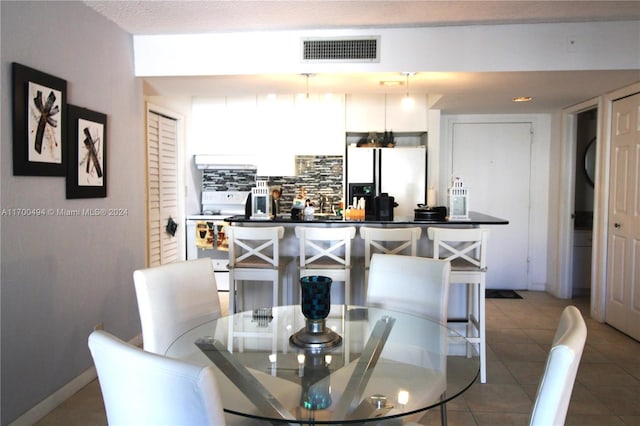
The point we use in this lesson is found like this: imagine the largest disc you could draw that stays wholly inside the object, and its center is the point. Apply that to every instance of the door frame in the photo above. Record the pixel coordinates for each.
(601, 199)
(564, 275)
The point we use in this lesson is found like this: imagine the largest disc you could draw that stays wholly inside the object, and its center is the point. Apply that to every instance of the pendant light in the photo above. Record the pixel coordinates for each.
(407, 101)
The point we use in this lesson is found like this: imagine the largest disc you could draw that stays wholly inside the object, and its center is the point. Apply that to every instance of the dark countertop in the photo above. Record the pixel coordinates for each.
(475, 218)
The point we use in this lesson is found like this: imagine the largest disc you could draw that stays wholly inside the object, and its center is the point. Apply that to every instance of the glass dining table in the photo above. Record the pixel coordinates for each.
(387, 365)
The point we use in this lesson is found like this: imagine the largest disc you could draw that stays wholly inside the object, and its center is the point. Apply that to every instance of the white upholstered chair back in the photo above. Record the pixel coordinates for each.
(411, 284)
(174, 298)
(143, 388)
(556, 385)
(417, 286)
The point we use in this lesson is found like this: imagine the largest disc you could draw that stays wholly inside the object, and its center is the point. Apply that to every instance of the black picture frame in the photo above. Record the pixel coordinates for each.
(39, 122)
(87, 149)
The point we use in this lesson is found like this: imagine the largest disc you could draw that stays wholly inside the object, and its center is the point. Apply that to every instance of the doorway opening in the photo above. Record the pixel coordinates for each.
(586, 143)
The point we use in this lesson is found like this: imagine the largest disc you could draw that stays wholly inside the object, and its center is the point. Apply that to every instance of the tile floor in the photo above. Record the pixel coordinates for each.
(519, 332)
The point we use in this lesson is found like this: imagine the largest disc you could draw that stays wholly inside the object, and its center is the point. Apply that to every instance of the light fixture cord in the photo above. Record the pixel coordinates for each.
(407, 77)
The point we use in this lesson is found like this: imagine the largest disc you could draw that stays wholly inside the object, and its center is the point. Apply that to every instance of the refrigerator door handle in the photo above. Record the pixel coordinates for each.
(377, 170)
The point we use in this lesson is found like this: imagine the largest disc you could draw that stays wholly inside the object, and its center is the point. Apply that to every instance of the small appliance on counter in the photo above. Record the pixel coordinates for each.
(383, 206)
(366, 191)
(425, 213)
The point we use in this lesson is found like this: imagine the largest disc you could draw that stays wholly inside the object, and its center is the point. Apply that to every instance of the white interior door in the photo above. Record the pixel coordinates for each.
(494, 161)
(623, 251)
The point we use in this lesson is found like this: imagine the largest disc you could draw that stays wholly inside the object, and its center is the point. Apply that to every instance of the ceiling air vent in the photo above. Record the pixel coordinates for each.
(349, 49)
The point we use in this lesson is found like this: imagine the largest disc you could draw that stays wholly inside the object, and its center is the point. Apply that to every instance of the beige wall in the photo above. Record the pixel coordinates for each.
(62, 275)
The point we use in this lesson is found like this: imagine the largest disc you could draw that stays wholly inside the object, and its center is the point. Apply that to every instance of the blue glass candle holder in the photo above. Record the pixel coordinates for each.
(316, 297)
(316, 304)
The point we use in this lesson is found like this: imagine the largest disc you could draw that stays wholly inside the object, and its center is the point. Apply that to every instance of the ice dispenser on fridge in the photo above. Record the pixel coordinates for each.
(366, 191)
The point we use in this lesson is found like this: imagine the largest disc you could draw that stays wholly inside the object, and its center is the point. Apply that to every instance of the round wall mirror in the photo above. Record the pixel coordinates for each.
(590, 161)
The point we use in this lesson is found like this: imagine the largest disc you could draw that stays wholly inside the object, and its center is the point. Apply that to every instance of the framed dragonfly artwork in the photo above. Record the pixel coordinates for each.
(87, 170)
(39, 122)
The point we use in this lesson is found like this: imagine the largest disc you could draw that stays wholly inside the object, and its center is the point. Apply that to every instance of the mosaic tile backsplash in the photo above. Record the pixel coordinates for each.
(320, 175)
(228, 179)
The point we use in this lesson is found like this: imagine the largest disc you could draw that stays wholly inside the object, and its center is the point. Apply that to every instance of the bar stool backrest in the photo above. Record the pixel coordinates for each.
(464, 248)
(325, 247)
(254, 247)
(403, 241)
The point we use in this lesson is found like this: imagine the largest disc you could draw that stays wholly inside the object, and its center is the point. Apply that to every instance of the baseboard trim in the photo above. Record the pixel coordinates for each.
(55, 399)
(61, 395)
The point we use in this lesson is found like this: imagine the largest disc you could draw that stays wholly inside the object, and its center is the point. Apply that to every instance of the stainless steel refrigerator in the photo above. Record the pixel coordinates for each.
(401, 172)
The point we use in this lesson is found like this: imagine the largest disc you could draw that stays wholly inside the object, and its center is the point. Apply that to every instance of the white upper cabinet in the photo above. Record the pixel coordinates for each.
(287, 125)
(240, 114)
(365, 113)
(379, 112)
(275, 138)
(319, 125)
(401, 119)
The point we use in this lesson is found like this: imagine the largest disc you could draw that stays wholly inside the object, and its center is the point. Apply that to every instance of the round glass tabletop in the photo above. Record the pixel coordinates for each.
(387, 365)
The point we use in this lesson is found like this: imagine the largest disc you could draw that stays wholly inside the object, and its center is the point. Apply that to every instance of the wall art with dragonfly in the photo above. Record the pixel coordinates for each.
(39, 122)
(87, 171)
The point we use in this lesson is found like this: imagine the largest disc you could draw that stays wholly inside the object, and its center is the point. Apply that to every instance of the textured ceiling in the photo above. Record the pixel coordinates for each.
(181, 17)
(461, 92)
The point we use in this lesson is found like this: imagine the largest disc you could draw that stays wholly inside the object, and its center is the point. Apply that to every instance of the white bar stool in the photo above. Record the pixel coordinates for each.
(401, 241)
(254, 255)
(327, 252)
(466, 249)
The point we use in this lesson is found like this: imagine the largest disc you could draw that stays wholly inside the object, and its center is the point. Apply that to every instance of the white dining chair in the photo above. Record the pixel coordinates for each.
(326, 252)
(410, 284)
(417, 286)
(388, 241)
(466, 249)
(556, 385)
(174, 298)
(143, 388)
(254, 255)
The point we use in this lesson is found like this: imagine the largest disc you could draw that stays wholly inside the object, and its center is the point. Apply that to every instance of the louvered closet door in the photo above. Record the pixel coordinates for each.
(162, 188)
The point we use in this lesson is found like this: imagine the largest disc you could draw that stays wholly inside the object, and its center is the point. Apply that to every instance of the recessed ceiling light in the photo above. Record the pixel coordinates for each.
(522, 99)
(391, 83)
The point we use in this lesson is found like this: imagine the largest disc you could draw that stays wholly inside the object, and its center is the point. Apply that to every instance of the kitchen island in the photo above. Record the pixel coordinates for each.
(289, 246)
(475, 219)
